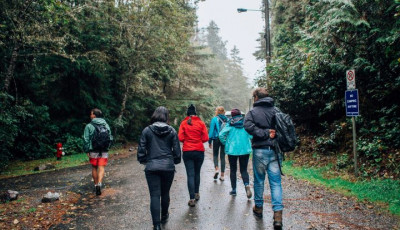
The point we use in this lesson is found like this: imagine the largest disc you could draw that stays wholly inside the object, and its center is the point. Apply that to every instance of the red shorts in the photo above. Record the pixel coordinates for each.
(98, 161)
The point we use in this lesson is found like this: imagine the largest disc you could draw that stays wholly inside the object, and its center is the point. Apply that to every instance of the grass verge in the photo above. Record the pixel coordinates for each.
(19, 168)
(385, 191)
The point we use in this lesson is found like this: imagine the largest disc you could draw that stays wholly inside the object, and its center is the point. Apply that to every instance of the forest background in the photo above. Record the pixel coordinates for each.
(61, 58)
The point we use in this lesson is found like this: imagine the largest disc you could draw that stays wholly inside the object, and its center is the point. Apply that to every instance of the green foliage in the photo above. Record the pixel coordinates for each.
(60, 59)
(9, 127)
(343, 161)
(73, 145)
(314, 43)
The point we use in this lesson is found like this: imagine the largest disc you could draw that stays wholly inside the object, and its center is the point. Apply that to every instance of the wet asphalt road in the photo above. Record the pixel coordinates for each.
(124, 203)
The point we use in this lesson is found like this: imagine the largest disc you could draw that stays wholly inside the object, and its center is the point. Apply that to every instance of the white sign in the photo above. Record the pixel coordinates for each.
(351, 79)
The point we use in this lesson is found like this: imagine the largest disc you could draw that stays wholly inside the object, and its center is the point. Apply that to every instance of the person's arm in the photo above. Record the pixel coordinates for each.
(252, 129)
(181, 133)
(176, 149)
(142, 151)
(86, 138)
(204, 137)
(211, 130)
(224, 134)
(109, 130)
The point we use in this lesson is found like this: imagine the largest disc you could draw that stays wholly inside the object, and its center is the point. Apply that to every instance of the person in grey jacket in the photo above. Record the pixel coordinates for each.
(159, 150)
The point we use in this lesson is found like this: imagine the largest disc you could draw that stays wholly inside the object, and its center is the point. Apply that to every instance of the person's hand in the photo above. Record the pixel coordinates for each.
(272, 133)
(209, 145)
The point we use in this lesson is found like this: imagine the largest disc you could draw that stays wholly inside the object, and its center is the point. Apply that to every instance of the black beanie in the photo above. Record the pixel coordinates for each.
(191, 110)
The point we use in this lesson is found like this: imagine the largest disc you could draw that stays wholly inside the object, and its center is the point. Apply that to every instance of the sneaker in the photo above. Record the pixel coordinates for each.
(222, 178)
(197, 196)
(192, 203)
(258, 211)
(216, 175)
(232, 193)
(164, 218)
(248, 191)
(98, 190)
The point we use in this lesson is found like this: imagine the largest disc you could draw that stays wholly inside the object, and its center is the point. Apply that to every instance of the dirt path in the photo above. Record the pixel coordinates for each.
(125, 202)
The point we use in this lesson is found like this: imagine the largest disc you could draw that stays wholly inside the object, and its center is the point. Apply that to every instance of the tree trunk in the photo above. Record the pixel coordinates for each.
(123, 103)
(11, 67)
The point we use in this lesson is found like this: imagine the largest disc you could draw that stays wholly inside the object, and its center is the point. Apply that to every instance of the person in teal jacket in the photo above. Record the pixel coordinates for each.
(238, 147)
(214, 143)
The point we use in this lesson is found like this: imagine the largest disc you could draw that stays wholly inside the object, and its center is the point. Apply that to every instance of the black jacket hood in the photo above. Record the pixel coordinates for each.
(160, 128)
(266, 101)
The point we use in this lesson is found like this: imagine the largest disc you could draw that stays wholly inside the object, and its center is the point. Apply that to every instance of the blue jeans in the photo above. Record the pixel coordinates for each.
(265, 161)
(193, 161)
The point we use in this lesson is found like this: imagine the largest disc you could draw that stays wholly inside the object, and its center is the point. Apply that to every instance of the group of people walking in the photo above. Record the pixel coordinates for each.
(239, 137)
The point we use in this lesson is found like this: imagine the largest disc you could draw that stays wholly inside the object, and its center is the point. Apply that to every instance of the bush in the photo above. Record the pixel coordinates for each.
(73, 145)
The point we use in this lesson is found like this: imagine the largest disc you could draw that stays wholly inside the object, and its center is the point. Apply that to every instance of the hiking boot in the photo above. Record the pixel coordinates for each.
(192, 203)
(258, 211)
(157, 227)
(98, 190)
(232, 193)
(278, 219)
(197, 196)
(164, 218)
(216, 175)
(248, 191)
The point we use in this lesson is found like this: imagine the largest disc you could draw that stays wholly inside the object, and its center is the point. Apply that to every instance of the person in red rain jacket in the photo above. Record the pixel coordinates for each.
(193, 133)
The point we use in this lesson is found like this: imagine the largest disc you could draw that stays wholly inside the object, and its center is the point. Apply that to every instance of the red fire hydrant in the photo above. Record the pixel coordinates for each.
(59, 151)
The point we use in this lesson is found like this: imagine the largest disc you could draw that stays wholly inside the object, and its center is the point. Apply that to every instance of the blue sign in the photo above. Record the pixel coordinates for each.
(351, 97)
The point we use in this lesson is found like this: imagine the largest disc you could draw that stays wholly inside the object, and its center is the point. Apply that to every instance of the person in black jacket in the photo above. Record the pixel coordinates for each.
(260, 123)
(159, 150)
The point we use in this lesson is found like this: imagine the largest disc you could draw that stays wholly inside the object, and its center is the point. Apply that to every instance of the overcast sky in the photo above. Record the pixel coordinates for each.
(240, 29)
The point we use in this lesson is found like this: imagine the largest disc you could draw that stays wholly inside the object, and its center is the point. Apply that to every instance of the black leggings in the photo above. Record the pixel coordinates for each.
(243, 162)
(159, 183)
(193, 162)
(219, 149)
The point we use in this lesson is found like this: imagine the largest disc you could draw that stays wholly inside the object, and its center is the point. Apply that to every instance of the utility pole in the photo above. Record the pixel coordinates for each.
(267, 35)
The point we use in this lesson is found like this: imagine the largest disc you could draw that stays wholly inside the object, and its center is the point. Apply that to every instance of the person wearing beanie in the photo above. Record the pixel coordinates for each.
(193, 133)
(214, 143)
(191, 110)
(238, 147)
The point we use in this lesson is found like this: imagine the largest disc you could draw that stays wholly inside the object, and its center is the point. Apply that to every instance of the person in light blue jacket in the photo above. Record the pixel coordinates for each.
(238, 147)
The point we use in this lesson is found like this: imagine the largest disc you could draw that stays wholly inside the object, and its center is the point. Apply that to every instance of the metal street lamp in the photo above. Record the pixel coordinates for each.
(241, 10)
(267, 35)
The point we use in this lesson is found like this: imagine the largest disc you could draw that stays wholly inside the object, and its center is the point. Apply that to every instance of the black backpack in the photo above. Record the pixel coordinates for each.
(285, 131)
(101, 140)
